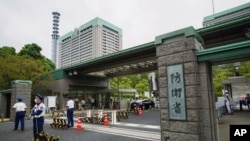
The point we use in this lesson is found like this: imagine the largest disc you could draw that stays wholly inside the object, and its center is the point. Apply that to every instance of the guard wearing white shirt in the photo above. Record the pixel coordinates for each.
(20, 113)
(38, 113)
(70, 111)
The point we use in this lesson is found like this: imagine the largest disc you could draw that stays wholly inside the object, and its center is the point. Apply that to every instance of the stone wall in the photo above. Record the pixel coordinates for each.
(198, 96)
(21, 88)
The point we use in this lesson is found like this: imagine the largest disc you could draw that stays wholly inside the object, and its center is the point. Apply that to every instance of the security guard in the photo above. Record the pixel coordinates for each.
(20, 113)
(38, 113)
(70, 111)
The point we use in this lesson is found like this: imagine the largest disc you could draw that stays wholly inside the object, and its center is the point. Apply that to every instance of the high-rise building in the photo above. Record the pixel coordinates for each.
(55, 36)
(92, 39)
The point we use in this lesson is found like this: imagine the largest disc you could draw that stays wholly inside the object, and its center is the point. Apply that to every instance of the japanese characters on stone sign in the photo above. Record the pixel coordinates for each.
(176, 92)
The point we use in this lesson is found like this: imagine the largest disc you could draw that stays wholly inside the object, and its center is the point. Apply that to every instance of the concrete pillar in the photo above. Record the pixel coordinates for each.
(207, 104)
(199, 122)
(21, 88)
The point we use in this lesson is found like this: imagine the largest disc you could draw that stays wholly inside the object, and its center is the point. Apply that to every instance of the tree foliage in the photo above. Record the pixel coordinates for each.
(244, 69)
(31, 50)
(28, 64)
(137, 81)
(219, 75)
(230, 70)
(7, 51)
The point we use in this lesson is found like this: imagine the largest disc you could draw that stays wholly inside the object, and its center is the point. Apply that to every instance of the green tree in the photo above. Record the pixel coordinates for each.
(219, 75)
(34, 51)
(31, 50)
(22, 68)
(244, 69)
(50, 66)
(28, 64)
(6, 51)
(120, 82)
(137, 81)
(142, 86)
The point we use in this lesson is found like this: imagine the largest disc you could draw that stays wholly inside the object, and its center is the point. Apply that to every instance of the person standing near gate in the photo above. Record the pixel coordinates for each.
(83, 104)
(92, 100)
(248, 101)
(38, 115)
(227, 102)
(70, 111)
(20, 108)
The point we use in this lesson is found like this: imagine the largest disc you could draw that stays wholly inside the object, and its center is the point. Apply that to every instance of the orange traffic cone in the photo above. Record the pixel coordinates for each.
(140, 112)
(79, 124)
(106, 121)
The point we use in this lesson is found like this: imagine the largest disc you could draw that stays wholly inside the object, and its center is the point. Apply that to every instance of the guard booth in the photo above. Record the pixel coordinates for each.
(5, 98)
(9, 97)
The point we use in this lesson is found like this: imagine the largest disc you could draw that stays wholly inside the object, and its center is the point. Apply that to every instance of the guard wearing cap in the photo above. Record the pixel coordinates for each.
(38, 113)
(70, 111)
(20, 108)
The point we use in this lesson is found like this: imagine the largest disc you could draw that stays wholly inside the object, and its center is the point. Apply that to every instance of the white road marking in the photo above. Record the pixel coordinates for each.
(132, 133)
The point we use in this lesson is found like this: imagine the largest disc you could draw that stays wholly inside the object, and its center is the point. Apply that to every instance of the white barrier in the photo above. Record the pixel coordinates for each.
(113, 117)
(88, 113)
(100, 113)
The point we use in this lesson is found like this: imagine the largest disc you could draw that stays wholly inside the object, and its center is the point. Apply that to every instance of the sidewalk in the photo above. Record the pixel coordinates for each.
(239, 117)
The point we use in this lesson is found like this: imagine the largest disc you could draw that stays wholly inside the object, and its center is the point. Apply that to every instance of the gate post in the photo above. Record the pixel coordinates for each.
(185, 87)
(20, 88)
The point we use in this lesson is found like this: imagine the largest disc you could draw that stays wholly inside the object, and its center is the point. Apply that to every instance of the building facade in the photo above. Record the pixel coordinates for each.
(93, 39)
(238, 11)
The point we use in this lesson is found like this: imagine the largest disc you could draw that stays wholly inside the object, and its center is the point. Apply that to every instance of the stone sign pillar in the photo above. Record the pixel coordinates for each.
(21, 88)
(186, 98)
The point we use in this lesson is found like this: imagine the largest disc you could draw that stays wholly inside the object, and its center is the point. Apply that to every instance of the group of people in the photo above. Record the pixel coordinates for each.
(244, 100)
(37, 113)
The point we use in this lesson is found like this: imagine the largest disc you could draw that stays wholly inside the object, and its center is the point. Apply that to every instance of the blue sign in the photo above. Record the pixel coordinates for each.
(176, 92)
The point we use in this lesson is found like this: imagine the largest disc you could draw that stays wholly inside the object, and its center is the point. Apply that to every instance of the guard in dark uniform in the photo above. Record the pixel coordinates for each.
(38, 115)
(20, 108)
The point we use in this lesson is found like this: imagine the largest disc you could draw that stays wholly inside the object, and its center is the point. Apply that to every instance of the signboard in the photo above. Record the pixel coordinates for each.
(51, 101)
(176, 92)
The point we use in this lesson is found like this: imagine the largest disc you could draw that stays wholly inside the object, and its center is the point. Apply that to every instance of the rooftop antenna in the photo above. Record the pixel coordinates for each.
(213, 5)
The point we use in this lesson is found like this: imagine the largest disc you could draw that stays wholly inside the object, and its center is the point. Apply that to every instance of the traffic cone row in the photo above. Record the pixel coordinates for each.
(79, 124)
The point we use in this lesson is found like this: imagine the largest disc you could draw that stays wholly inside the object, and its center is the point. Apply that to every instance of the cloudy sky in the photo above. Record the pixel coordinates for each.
(30, 21)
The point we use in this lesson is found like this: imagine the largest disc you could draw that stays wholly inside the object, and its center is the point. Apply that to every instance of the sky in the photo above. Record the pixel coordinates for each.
(30, 21)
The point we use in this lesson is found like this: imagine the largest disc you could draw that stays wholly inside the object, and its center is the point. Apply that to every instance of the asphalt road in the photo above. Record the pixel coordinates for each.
(136, 128)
